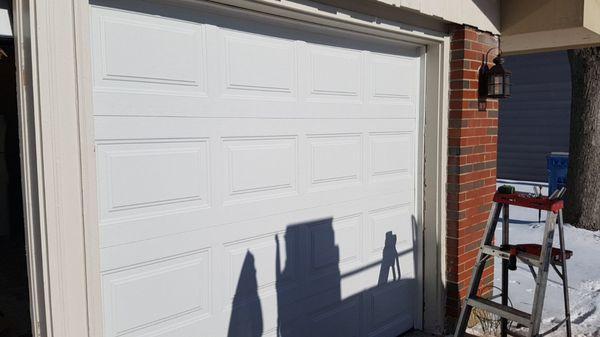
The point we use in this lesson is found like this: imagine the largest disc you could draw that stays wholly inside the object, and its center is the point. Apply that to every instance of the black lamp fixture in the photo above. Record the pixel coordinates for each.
(494, 82)
(498, 80)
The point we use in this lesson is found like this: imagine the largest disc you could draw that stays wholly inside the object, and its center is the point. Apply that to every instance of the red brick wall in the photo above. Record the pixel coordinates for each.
(472, 140)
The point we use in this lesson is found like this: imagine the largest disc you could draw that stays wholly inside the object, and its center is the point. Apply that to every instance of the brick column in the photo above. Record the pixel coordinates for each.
(472, 140)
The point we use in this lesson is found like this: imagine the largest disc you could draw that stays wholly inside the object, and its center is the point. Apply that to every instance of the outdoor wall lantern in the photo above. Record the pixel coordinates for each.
(494, 82)
(498, 80)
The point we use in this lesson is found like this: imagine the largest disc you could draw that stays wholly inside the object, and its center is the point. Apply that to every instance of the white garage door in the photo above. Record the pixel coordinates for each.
(256, 176)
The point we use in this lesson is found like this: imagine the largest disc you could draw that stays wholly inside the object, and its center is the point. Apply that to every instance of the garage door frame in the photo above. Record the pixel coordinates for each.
(60, 113)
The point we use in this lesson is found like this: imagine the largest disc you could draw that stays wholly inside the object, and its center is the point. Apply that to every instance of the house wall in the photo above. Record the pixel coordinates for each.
(535, 119)
(472, 140)
(483, 14)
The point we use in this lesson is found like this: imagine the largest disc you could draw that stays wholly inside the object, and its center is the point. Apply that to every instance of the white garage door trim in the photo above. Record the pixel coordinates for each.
(65, 276)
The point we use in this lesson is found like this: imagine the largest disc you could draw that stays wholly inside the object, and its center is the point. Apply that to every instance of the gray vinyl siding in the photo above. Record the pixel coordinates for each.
(535, 119)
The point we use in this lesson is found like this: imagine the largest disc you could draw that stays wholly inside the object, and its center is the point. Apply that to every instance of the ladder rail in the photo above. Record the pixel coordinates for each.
(542, 275)
(505, 242)
(490, 228)
(561, 239)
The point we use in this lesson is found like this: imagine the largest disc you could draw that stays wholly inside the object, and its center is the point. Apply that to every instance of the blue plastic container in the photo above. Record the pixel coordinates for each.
(558, 164)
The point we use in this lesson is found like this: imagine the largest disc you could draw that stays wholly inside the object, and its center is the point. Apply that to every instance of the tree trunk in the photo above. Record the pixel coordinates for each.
(582, 207)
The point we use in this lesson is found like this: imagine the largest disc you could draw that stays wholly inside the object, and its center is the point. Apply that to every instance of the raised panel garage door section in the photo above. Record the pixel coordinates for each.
(256, 176)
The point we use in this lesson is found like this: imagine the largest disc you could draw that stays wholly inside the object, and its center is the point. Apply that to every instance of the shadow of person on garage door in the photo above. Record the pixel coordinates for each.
(246, 314)
(310, 280)
(389, 260)
(309, 283)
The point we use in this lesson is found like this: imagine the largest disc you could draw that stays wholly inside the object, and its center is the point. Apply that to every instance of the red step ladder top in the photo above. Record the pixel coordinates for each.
(536, 250)
(526, 200)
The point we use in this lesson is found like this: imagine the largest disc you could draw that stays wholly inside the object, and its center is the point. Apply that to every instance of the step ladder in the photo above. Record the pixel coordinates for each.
(538, 257)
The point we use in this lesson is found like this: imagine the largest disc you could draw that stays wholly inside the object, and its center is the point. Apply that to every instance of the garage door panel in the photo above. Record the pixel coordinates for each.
(258, 168)
(136, 104)
(124, 231)
(301, 274)
(382, 166)
(341, 319)
(141, 177)
(170, 177)
(259, 74)
(252, 234)
(337, 248)
(142, 296)
(253, 174)
(245, 315)
(121, 128)
(391, 228)
(387, 304)
(334, 74)
(335, 160)
(241, 314)
(386, 85)
(181, 327)
(258, 67)
(261, 251)
(122, 103)
(128, 230)
(136, 252)
(125, 39)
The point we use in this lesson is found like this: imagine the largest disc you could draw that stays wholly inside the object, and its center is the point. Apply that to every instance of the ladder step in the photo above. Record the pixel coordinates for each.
(496, 251)
(509, 313)
(515, 334)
